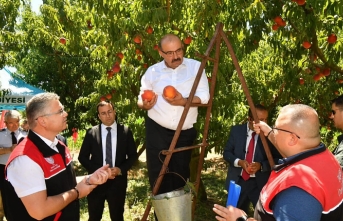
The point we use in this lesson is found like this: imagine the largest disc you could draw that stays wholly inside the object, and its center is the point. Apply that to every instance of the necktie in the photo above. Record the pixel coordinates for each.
(249, 155)
(14, 139)
(109, 147)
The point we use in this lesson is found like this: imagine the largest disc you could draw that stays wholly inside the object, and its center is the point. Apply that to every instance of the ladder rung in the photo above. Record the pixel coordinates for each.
(167, 152)
(200, 105)
(202, 56)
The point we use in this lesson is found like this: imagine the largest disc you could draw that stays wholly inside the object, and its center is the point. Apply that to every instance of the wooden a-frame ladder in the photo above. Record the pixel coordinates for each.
(215, 42)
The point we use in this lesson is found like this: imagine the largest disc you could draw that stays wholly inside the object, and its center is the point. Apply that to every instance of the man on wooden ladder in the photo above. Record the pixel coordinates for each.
(165, 109)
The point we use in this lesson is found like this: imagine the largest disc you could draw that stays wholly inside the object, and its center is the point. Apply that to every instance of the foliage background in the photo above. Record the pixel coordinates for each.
(96, 31)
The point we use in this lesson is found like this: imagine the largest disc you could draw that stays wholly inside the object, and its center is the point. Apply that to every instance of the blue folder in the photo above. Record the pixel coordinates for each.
(233, 194)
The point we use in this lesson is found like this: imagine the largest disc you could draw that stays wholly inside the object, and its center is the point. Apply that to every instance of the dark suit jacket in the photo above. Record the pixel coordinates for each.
(235, 148)
(338, 151)
(91, 157)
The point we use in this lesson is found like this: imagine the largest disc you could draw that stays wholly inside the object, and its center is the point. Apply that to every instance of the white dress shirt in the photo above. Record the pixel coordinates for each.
(22, 169)
(158, 76)
(6, 142)
(249, 136)
(104, 133)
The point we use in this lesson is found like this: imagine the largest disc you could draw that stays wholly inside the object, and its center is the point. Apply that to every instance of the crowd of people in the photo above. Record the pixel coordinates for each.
(39, 181)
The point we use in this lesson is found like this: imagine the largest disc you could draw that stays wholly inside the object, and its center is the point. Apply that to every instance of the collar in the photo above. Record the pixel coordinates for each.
(48, 142)
(113, 126)
(15, 132)
(165, 67)
(40, 142)
(285, 162)
(249, 131)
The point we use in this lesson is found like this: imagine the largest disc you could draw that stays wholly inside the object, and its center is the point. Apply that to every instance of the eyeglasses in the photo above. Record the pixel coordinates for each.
(275, 128)
(334, 111)
(171, 53)
(103, 114)
(60, 112)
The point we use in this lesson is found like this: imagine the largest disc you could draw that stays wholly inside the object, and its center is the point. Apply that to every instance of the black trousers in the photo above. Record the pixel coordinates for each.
(249, 193)
(114, 192)
(159, 138)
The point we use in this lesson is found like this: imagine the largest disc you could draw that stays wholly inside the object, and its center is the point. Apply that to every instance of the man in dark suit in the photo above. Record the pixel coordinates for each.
(251, 174)
(108, 143)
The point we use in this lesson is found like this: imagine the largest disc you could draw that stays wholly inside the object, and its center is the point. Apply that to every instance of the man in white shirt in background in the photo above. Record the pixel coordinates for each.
(9, 138)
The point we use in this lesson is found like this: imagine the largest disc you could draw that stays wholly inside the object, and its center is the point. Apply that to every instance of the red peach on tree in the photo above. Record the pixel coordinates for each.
(110, 74)
(326, 72)
(120, 55)
(63, 41)
(301, 81)
(306, 44)
(283, 23)
(187, 40)
(301, 2)
(116, 68)
(332, 38)
(275, 27)
(278, 20)
(317, 77)
(108, 96)
(137, 39)
(149, 30)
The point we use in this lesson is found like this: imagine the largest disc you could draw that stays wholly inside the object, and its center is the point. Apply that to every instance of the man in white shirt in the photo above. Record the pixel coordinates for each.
(9, 138)
(164, 113)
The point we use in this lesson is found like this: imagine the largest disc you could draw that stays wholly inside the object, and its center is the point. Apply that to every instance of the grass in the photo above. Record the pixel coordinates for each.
(213, 177)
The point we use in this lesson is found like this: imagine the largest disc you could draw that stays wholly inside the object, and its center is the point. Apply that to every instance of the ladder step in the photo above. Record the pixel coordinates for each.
(204, 57)
(200, 105)
(167, 152)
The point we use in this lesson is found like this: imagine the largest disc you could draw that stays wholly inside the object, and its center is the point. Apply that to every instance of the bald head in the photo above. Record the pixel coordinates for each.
(169, 38)
(302, 119)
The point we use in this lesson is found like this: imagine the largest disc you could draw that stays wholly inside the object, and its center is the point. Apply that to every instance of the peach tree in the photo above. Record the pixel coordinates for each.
(87, 51)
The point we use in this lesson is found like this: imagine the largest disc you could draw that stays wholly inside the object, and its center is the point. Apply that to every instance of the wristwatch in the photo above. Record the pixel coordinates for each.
(242, 218)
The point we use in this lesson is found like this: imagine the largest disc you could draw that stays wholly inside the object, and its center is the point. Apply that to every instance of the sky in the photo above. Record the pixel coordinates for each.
(35, 5)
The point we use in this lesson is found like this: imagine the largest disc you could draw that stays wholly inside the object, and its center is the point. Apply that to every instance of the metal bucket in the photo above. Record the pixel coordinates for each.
(173, 206)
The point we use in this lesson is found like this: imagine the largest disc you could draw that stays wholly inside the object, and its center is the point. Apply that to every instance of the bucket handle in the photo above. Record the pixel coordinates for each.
(189, 185)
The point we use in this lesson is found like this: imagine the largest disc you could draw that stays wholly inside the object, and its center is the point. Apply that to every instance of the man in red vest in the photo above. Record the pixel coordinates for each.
(308, 182)
(41, 182)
